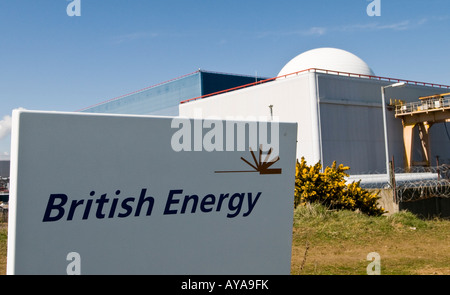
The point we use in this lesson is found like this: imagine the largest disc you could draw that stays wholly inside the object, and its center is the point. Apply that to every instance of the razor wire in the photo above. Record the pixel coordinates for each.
(420, 190)
(420, 183)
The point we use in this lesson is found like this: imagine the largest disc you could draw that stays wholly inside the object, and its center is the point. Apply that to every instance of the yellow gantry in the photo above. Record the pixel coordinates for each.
(424, 113)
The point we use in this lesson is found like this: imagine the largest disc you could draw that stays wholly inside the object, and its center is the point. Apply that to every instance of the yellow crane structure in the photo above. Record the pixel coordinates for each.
(424, 113)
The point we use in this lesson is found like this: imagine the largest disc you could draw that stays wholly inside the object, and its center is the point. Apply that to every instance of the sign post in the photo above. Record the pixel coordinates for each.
(113, 194)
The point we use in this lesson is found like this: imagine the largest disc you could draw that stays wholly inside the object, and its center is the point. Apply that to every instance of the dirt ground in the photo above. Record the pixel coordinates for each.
(409, 253)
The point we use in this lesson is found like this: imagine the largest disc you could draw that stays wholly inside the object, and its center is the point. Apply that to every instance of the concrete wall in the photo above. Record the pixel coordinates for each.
(386, 200)
(428, 208)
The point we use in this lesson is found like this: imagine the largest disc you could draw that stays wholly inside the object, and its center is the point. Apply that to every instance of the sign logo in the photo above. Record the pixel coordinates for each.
(260, 166)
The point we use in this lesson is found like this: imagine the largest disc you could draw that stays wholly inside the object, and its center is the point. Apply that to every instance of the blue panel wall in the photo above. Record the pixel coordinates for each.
(213, 82)
(164, 99)
(159, 100)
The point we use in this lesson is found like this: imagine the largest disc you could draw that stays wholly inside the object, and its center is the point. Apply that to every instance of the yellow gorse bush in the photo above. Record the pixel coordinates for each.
(330, 188)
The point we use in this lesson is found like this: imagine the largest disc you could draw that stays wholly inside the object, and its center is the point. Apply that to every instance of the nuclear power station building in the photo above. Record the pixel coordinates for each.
(335, 98)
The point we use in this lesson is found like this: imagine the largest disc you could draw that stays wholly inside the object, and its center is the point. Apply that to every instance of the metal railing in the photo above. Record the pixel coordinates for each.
(437, 104)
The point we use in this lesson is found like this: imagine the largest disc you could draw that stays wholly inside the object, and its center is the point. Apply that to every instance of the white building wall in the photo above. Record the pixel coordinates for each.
(339, 118)
(352, 124)
(291, 101)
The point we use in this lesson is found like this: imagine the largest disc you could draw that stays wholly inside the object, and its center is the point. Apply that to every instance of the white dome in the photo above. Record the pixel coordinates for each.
(327, 59)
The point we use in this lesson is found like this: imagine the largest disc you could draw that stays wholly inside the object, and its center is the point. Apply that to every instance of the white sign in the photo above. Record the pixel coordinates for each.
(108, 194)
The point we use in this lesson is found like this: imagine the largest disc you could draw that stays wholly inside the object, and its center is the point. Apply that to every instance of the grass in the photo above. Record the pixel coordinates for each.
(329, 242)
(3, 240)
(337, 242)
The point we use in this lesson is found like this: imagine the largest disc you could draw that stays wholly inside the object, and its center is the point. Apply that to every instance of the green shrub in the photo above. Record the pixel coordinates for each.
(330, 189)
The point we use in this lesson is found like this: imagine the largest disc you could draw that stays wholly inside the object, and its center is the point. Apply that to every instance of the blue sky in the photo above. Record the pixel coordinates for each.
(50, 61)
